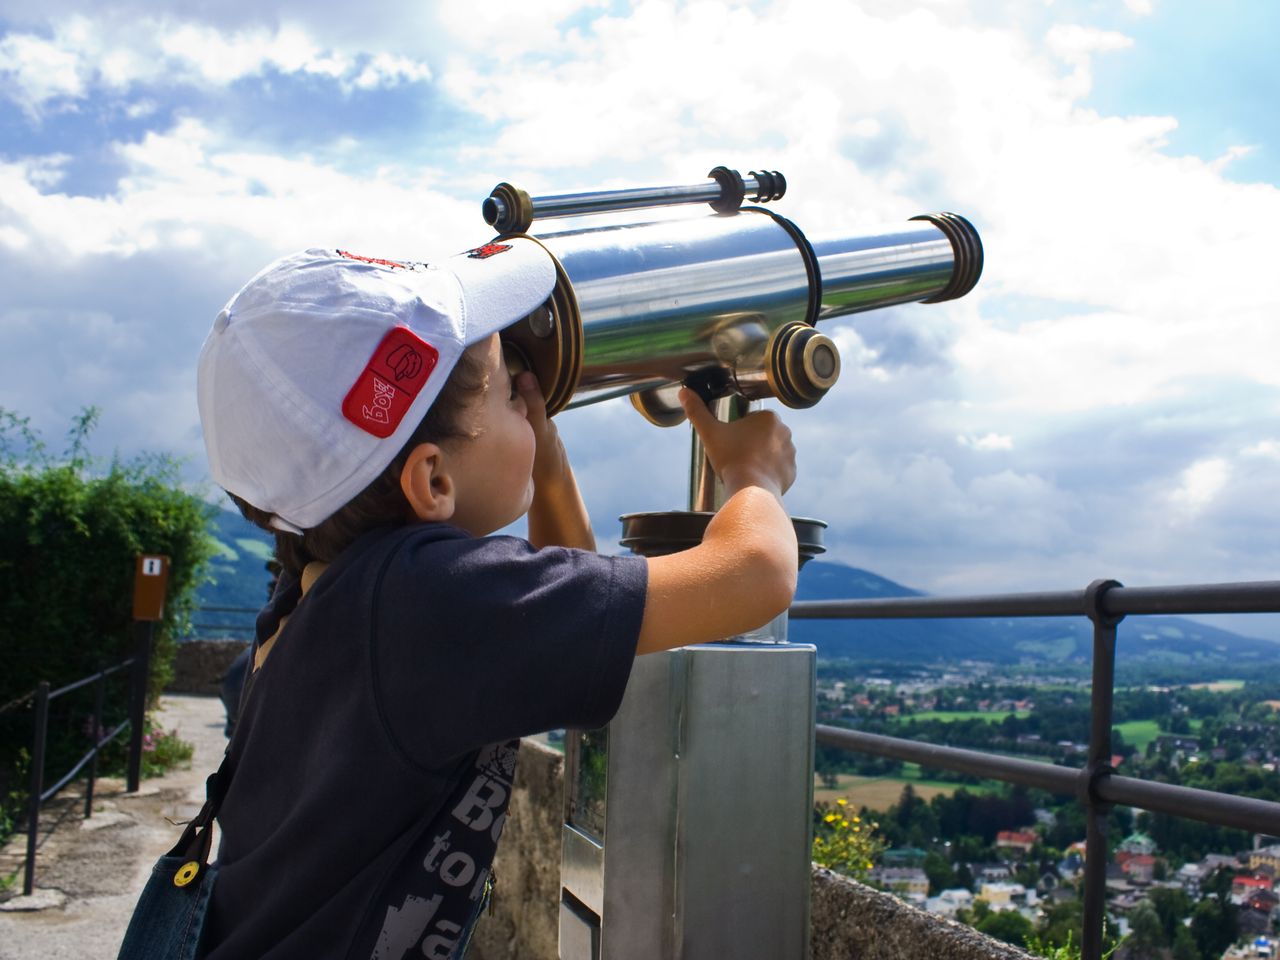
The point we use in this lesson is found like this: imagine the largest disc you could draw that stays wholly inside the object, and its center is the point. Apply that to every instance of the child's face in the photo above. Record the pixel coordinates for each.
(493, 469)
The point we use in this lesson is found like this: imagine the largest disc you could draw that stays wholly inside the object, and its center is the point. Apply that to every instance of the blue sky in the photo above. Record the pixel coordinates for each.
(1104, 404)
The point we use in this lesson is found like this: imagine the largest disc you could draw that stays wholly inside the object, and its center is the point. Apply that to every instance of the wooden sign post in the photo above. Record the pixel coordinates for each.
(150, 579)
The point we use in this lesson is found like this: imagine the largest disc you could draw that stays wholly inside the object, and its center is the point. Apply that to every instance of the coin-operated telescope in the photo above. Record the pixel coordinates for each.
(687, 826)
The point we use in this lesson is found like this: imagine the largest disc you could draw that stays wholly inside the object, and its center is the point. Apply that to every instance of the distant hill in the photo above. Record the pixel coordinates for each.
(1162, 641)
(238, 575)
(240, 578)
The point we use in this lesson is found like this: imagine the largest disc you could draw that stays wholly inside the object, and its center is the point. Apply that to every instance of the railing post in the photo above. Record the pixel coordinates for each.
(138, 703)
(95, 734)
(1102, 692)
(37, 783)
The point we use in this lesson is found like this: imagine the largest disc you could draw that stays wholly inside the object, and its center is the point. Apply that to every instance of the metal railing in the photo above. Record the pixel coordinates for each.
(241, 623)
(40, 699)
(1096, 786)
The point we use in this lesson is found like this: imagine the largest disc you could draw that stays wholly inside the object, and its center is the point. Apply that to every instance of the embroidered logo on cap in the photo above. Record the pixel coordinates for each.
(488, 250)
(383, 392)
(382, 263)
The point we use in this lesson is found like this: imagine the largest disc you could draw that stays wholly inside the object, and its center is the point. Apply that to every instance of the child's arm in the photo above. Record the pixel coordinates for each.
(743, 574)
(557, 516)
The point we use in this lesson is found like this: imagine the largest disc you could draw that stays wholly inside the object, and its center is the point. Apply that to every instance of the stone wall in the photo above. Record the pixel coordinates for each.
(849, 921)
(199, 665)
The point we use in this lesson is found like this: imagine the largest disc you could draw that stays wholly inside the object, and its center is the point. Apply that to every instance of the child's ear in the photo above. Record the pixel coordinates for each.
(427, 485)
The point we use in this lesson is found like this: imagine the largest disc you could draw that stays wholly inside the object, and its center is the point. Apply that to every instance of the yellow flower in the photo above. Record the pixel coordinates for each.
(828, 818)
(844, 823)
(843, 802)
(857, 819)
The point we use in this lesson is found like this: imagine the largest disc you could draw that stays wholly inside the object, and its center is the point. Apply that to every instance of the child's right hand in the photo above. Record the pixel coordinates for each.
(754, 451)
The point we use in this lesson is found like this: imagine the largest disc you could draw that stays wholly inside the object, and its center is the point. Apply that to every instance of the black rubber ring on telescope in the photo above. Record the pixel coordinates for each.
(732, 192)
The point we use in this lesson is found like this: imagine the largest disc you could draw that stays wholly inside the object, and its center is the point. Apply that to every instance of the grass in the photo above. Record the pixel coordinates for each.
(1142, 732)
(948, 716)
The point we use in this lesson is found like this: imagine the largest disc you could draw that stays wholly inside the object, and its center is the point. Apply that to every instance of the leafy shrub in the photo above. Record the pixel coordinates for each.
(70, 531)
(844, 842)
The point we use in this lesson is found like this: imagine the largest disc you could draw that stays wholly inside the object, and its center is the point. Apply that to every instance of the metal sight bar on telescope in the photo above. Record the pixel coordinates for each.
(511, 210)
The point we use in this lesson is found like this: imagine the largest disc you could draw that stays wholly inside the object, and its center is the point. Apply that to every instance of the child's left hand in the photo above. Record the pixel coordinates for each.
(550, 462)
(558, 515)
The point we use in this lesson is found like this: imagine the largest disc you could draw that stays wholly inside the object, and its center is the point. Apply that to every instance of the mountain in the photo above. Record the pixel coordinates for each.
(1162, 641)
(239, 578)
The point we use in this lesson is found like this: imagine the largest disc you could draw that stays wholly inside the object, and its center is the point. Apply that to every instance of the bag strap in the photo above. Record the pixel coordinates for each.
(196, 841)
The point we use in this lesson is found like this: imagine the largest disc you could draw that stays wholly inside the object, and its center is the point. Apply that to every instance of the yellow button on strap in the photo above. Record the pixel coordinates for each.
(186, 873)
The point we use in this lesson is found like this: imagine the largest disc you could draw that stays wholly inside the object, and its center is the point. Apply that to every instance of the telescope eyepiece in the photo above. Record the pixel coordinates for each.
(803, 365)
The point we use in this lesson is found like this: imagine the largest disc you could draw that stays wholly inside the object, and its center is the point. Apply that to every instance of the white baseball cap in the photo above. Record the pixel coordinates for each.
(318, 371)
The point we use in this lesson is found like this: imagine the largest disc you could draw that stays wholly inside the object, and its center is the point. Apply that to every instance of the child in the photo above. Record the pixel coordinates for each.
(361, 409)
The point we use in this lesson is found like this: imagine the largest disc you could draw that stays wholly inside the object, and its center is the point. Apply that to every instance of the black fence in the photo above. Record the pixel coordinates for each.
(40, 698)
(1098, 788)
(215, 622)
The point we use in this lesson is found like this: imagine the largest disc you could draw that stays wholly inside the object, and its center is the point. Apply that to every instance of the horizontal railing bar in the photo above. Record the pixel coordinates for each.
(70, 774)
(1244, 813)
(1253, 597)
(85, 681)
(1066, 603)
(1028, 773)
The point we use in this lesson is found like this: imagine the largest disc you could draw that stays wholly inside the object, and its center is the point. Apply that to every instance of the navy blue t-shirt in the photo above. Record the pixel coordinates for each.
(373, 759)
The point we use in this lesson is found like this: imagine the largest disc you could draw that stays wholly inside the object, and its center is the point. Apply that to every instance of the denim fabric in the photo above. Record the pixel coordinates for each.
(168, 920)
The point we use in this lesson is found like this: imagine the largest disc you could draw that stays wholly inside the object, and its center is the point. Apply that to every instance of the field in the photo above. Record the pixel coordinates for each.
(1141, 732)
(947, 716)
(1219, 686)
(880, 793)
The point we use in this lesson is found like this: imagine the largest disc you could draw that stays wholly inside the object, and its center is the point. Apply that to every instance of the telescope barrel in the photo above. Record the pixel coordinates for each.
(940, 259)
(725, 304)
(510, 210)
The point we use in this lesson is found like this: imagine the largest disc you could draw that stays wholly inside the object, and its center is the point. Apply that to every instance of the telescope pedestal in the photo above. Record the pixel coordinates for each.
(688, 820)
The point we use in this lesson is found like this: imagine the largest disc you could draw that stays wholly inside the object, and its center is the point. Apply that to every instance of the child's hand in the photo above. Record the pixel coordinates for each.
(753, 451)
(550, 462)
(557, 515)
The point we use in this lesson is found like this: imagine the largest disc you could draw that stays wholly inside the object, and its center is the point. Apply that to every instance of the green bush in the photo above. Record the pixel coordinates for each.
(70, 531)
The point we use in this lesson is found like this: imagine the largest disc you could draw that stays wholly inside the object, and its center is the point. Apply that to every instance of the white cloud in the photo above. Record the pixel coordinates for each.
(1200, 484)
(990, 441)
(1123, 330)
(83, 54)
(189, 187)
(34, 71)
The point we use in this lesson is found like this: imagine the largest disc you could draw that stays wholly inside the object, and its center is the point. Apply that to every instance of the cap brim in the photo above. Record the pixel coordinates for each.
(501, 282)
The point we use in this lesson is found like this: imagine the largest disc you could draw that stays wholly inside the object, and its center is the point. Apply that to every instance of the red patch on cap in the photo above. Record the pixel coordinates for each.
(382, 263)
(382, 394)
(488, 250)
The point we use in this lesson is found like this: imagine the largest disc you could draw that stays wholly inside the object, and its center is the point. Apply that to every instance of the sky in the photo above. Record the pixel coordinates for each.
(1103, 404)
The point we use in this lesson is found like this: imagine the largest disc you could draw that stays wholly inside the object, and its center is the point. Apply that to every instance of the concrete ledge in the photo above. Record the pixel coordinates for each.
(849, 920)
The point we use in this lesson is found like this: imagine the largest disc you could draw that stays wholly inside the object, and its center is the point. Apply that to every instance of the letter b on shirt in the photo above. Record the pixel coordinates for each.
(484, 800)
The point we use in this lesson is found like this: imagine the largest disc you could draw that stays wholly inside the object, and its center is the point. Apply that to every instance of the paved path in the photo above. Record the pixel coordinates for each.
(89, 872)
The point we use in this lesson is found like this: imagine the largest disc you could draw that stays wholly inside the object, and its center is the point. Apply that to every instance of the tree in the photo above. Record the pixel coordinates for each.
(1214, 926)
(70, 530)
(1146, 935)
(938, 870)
(1184, 945)
(1007, 925)
(1172, 906)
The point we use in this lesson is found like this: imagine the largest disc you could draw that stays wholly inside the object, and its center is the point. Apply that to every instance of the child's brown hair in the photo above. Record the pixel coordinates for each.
(382, 502)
